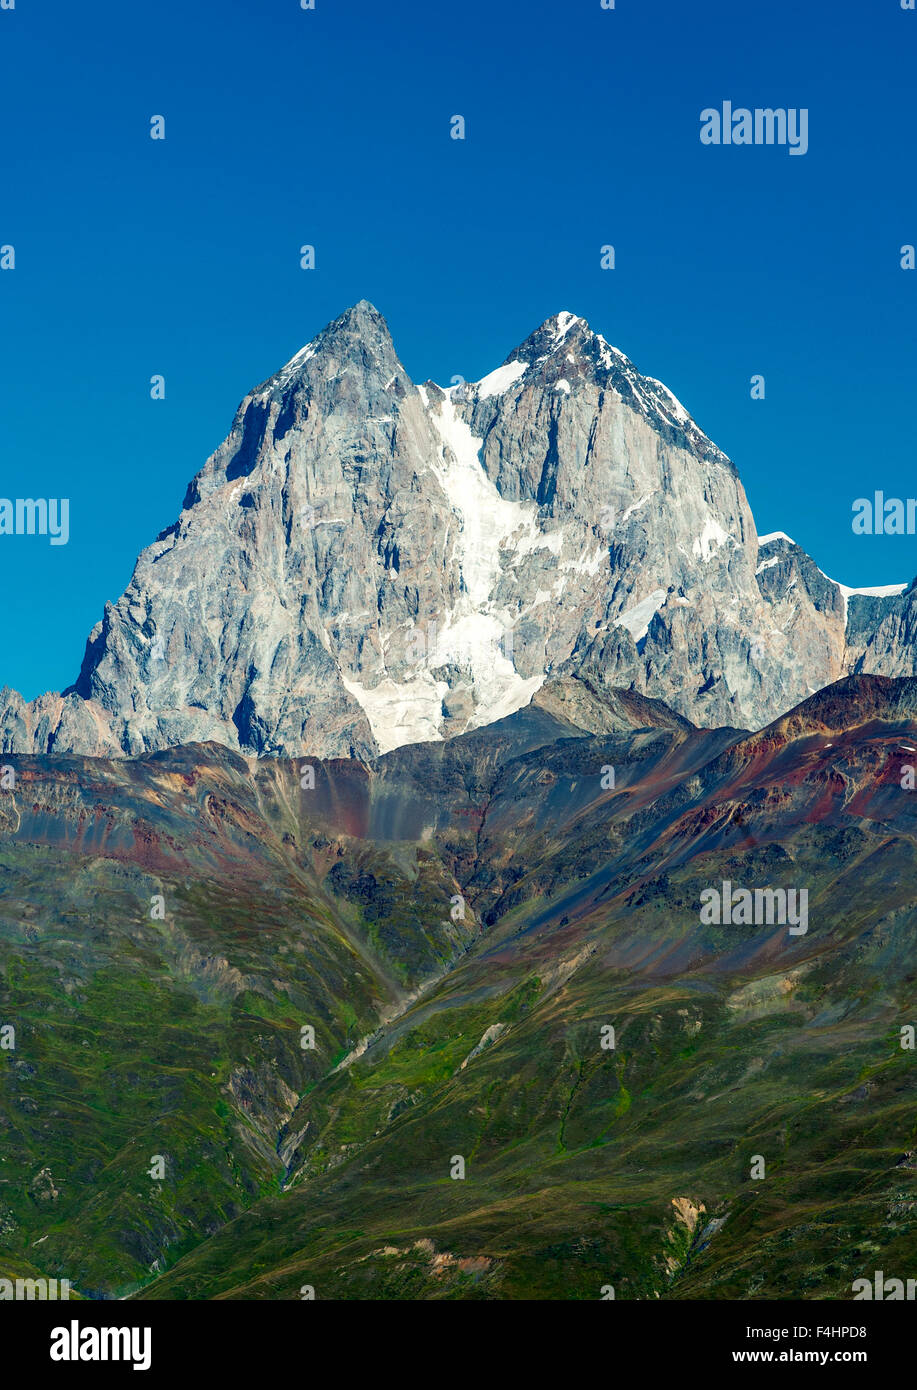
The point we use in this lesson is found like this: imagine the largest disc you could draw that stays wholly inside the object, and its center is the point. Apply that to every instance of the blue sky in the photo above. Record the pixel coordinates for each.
(331, 127)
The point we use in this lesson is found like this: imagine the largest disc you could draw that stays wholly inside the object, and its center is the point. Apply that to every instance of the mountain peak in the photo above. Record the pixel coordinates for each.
(551, 336)
(362, 322)
(359, 335)
(361, 314)
(559, 325)
(564, 351)
(363, 563)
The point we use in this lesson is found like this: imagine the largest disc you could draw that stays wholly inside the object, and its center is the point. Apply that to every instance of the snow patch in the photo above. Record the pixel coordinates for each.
(495, 383)
(534, 539)
(876, 591)
(609, 353)
(565, 322)
(677, 408)
(637, 619)
(487, 519)
(475, 635)
(635, 506)
(711, 537)
(289, 370)
(587, 564)
(401, 711)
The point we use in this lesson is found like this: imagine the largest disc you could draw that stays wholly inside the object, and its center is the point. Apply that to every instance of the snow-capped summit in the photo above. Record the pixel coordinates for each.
(366, 562)
(564, 352)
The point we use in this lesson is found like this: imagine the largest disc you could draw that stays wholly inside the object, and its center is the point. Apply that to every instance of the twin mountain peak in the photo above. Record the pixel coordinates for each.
(366, 563)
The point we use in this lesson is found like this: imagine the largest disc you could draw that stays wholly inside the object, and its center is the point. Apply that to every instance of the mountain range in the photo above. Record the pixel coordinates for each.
(366, 563)
(354, 928)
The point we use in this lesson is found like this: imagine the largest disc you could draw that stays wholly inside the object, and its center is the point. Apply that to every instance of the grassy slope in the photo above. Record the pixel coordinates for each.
(584, 1167)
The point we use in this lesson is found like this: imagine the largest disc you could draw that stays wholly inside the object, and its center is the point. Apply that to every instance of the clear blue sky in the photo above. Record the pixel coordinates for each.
(331, 127)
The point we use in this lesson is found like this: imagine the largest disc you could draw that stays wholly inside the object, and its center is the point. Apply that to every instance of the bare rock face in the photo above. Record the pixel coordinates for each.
(870, 631)
(366, 563)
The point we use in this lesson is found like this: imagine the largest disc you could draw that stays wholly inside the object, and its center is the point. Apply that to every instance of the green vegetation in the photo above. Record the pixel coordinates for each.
(179, 1037)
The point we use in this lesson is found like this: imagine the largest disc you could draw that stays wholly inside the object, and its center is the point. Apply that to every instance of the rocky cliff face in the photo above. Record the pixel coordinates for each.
(366, 563)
